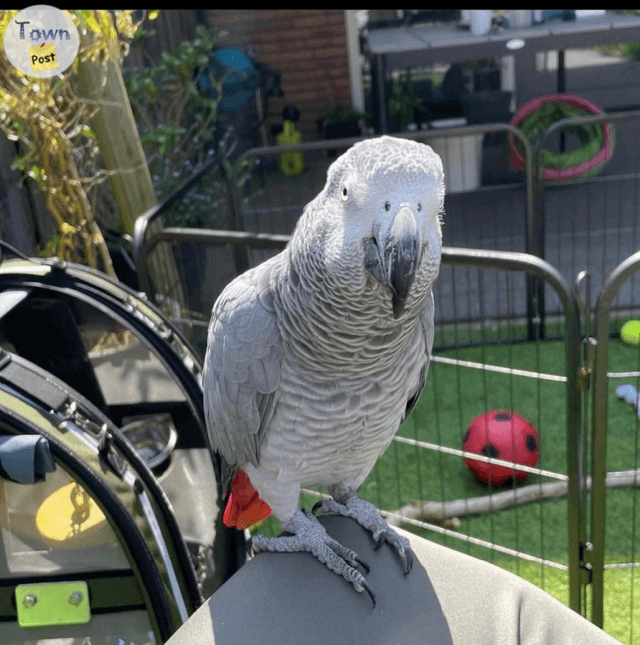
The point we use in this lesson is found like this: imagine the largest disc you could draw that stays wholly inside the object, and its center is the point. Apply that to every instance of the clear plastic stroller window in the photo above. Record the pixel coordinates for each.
(54, 527)
(127, 370)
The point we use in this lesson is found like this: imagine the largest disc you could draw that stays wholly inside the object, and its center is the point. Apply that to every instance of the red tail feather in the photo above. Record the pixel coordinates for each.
(244, 506)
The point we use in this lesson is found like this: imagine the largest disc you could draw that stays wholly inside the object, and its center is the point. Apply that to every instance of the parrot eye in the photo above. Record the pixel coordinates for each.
(344, 194)
(387, 206)
(418, 207)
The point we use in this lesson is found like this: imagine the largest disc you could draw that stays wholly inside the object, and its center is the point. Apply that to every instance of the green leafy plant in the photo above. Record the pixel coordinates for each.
(403, 100)
(49, 121)
(178, 124)
(627, 49)
(341, 114)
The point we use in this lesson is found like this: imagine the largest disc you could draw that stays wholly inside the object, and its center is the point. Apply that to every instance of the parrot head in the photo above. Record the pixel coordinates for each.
(381, 213)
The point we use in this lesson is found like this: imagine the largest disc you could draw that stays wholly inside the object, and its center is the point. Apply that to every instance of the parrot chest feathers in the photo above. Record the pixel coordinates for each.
(348, 327)
(331, 429)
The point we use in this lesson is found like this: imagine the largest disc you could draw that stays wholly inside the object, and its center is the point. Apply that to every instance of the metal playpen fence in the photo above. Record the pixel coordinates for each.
(511, 333)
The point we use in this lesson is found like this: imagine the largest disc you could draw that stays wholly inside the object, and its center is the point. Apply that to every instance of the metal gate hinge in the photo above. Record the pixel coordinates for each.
(583, 378)
(586, 568)
(586, 573)
(584, 371)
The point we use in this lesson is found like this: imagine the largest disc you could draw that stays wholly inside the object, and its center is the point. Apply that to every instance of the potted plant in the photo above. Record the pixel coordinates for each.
(403, 101)
(342, 122)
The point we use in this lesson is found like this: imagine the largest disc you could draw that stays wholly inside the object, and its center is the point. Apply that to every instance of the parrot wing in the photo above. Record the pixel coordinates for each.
(242, 367)
(428, 332)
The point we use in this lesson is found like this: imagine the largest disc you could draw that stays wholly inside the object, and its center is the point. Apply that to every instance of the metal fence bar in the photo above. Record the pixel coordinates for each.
(476, 457)
(599, 419)
(212, 237)
(633, 374)
(145, 232)
(499, 369)
(206, 237)
(576, 485)
(609, 117)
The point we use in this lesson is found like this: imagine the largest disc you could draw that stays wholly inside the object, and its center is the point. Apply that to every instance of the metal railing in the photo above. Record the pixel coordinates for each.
(600, 413)
(255, 207)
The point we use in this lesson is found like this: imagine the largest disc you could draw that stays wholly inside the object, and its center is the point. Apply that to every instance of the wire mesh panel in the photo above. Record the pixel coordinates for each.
(205, 271)
(483, 361)
(466, 296)
(482, 364)
(487, 202)
(179, 277)
(207, 261)
(591, 219)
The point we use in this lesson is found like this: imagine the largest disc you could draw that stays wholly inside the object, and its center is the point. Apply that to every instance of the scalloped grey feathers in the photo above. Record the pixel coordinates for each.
(308, 374)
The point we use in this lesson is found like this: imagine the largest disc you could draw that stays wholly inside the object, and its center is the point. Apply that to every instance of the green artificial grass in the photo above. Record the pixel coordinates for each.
(453, 396)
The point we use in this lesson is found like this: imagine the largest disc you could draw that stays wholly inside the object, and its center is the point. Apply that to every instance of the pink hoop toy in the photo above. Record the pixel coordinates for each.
(561, 174)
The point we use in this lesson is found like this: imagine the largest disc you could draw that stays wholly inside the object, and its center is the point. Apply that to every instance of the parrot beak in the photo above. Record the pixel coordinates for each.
(401, 257)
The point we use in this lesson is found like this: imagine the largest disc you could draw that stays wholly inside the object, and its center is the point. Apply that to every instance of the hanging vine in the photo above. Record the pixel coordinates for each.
(51, 122)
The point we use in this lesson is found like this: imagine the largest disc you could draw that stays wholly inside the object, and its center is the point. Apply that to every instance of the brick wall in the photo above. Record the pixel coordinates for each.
(308, 47)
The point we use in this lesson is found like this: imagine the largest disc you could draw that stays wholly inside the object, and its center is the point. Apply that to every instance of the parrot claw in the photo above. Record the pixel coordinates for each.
(364, 565)
(307, 534)
(356, 559)
(407, 558)
(368, 589)
(381, 539)
(367, 516)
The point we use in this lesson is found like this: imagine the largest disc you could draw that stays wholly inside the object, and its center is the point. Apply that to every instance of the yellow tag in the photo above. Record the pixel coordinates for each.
(43, 57)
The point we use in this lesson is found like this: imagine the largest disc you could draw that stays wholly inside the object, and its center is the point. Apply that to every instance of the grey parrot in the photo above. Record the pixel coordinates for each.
(316, 356)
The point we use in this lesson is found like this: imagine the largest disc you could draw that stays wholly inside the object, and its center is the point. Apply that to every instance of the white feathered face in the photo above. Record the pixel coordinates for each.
(383, 204)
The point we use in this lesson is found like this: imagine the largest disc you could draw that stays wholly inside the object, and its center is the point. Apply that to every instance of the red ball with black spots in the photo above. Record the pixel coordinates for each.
(502, 435)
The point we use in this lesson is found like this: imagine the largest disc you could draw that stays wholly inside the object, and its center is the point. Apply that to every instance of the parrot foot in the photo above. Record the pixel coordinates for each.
(366, 514)
(310, 535)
